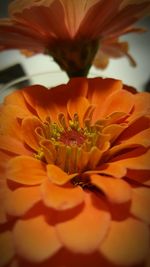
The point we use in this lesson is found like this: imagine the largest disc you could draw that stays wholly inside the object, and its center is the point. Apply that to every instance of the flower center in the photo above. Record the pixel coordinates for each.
(68, 145)
(72, 137)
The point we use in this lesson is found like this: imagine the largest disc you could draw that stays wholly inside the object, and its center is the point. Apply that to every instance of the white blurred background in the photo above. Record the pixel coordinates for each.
(118, 68)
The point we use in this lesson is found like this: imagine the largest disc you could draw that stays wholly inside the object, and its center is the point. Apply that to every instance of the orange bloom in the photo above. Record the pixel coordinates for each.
(75, 175)
(72, 32)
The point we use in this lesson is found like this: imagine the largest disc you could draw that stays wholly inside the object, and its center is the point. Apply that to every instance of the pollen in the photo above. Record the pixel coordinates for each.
(70, 146)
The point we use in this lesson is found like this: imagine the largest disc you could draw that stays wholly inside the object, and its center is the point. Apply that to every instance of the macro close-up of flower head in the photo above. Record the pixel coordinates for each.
(75, 33)
(75, 176)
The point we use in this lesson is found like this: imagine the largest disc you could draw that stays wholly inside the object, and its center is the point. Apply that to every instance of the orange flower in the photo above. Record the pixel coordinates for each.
(72, 32)
(75, 175)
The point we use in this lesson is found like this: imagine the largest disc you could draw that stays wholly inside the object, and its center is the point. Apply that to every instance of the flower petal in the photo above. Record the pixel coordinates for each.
(29, 125)
(100, 89)
(113, 103)
(7, 250)
(113, 169)
(140, 139)
(3, 192)
(35, 240)
(25, 170)
(8, 121)
(75, 12)
(140, 176)
(13, 145)
(141, 104)
(114, 130)
(37, 94)
(74, 106)
(136, 162)
(140, 206)
(127, 242)
(61, 198)
(84, 232)
(116, 190)
(57, 175)
(16, 98)
(19, 201)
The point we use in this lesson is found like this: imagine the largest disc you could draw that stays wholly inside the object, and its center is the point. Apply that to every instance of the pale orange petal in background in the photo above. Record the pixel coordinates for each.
(91, 26)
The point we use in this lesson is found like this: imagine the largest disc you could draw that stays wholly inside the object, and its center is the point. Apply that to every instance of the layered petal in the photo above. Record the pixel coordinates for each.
(57, 176)
(35, 240)
(25, 170)
(100, 89)
(133, 249)
(113, 169)
(7, 250)
(140, 203)
(11, 144)
(74, 106)
(92, 222)
(19, 201)
(29, 126)
(116, 190)
(61, 198)
(133, 160)
(113, 103)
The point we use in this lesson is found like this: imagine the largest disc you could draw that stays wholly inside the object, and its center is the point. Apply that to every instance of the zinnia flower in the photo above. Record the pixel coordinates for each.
(72, 32)
(75, 175)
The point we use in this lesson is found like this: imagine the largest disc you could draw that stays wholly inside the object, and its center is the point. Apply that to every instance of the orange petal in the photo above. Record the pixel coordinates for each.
(114, 130)
(26, 170)
(44, 101)
(47, 108)
(127, 242)
(75, 13)
(137, 162)
(35, 240)
(14, 111)
(19, 201)
(16, 98)
(77, 87)
(116, 190)
(140, 139)
(78, 105)
(8, 121)
(141, 104)
(84, 232)
(135, 127)
(4, 157)
(3, 215)
(140, 206)
(57, 175)
(100, 89)
(61, 198)
(13, 145)
(113, 169)
(3, 192)
(113, 103)
(140, 176)
(29, 125)
(7, 248)
(34, 93)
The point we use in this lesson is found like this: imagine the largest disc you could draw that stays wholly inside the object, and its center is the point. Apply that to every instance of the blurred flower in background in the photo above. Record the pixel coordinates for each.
(76, 34)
